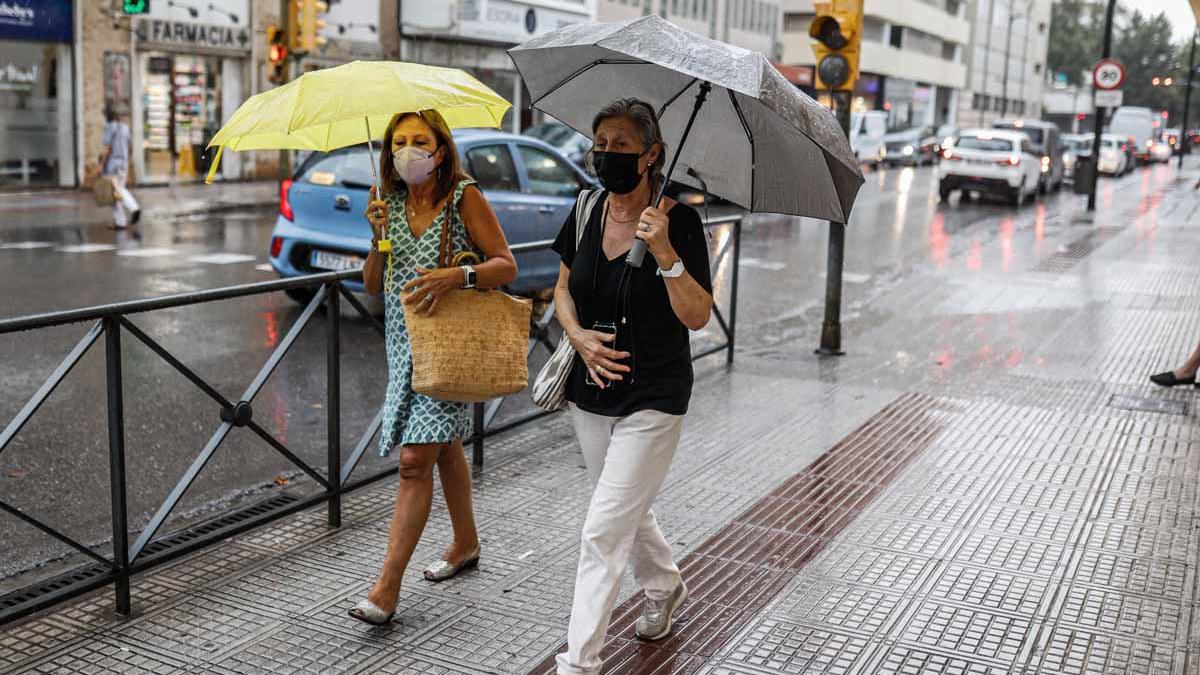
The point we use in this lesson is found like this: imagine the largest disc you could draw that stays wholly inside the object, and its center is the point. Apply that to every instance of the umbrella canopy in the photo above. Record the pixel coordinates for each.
(352, 103)
(757, 140)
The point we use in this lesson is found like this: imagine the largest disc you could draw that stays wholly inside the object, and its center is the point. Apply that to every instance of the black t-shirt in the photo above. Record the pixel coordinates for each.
(659, 343)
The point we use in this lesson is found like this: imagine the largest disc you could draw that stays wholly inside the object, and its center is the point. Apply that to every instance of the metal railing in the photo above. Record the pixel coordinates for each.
(149, 549)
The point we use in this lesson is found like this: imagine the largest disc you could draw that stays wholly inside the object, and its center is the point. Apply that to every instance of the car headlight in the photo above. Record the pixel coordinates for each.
(908, 150)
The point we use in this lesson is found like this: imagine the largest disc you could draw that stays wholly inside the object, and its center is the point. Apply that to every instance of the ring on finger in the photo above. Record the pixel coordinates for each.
(644, 227)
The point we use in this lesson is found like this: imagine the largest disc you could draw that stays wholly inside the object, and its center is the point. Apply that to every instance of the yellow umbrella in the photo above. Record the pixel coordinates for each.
(336, 107)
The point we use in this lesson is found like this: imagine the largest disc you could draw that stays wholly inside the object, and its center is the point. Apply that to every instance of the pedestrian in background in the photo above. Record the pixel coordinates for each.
(114, 164)
(1185, 374)
(631, 385)
(426, 197)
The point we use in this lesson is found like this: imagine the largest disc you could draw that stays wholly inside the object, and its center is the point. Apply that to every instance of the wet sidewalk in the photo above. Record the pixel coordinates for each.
(78, 207)
(985, 484)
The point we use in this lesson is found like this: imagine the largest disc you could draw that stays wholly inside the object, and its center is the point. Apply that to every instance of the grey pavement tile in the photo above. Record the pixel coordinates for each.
(1074, 650)
(1009, 554)
(106, 656)
(287, 586)
(1000, 639)
(1117, 612)
(770, 645)
(199, 628)
(407, 664)
(491, 641)
(991, 589)
(1169, 579)
(520, 540)
(887, 570)
(297, 648)
(418, 610)
(902, 536)
(817, 601)
(905, 660)
(29, 639)
(211, 566)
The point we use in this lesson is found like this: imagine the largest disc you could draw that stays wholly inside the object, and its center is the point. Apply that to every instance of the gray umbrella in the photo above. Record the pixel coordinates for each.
(757, 140)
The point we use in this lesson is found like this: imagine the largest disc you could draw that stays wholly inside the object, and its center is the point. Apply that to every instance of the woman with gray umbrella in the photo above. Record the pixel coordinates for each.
(630, 387)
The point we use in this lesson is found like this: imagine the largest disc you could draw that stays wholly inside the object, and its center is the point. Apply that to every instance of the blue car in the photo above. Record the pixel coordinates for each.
(321, 227)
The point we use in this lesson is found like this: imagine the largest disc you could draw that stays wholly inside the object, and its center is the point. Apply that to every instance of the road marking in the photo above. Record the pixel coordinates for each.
(147, 252)
(853, 278)
(222, 258)
(87, 248)
(763, 264)
(24, 245)
(264, 267)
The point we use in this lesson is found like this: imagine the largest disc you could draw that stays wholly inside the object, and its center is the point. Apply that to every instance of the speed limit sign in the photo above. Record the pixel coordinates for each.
(1108, 74)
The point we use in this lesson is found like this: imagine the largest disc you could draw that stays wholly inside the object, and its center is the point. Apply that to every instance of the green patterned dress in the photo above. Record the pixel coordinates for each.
(408, 417)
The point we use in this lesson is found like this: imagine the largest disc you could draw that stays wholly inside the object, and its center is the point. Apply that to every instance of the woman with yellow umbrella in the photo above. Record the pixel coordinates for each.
(423, 205)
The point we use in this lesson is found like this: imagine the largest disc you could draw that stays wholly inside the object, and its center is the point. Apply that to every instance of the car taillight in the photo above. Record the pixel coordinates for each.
(949, 154)
(276, 246)
(1150, 144)
(1011, 160)
(285, 206)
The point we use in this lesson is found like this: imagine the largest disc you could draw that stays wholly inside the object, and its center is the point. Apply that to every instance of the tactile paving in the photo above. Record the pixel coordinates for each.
(776, 646)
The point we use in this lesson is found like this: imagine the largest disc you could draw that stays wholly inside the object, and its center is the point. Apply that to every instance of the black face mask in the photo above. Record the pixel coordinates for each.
(618, 171)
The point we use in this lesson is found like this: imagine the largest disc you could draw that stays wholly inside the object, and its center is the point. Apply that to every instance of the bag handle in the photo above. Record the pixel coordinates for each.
(584, 206)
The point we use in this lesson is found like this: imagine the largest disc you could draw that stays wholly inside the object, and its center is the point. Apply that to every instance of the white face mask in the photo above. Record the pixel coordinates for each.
(413, 165)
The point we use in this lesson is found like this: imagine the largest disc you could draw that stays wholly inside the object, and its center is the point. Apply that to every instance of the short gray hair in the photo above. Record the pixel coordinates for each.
(645, 119)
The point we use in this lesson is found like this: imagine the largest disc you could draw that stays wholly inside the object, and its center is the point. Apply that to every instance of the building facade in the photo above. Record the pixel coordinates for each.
(1006, 62)
(911, 61)
(750, 24)
(38, 144)
(475, 35)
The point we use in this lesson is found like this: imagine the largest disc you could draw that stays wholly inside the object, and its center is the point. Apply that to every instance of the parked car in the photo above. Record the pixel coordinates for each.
(1074, 146)
(572, 144)
(945, 135)
(867, 129)
(994, 161)
(1114, 156)
(1044, 137)
(1140, 125)
(913, 146)
(321, 227)
(1163, 148)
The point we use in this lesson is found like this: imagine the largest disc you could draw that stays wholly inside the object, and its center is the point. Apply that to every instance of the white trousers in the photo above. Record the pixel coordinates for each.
(627, 459)
(125, 204)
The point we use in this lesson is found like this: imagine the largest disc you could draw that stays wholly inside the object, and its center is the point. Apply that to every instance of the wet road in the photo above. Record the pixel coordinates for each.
(57, 469)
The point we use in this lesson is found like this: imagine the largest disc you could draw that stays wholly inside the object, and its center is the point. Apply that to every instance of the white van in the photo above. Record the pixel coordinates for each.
(867, 129)
(1140, 125)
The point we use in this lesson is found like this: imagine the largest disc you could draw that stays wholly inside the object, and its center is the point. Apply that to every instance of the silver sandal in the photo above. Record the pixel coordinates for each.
(443, 570)
(370, 613)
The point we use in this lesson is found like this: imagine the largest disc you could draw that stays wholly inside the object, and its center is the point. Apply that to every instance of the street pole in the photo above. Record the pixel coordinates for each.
(1099, 119)
(831, 329)
(1187, 99)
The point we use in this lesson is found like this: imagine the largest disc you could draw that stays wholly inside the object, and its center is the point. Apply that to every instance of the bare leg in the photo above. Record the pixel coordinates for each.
(456, 486)
(1189, 367)
(413, 501)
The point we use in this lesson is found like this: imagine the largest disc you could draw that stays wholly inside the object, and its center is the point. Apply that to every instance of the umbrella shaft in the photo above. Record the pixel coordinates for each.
(705, 87)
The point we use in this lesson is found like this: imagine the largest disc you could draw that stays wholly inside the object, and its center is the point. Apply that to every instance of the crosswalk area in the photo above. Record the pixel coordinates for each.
(138, 251)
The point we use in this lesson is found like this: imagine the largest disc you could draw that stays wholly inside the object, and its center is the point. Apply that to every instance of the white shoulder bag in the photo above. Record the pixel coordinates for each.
(549, 388)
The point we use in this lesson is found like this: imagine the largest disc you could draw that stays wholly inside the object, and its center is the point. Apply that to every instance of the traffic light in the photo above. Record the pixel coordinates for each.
(837, 29)
(305, 24)
(277, 52)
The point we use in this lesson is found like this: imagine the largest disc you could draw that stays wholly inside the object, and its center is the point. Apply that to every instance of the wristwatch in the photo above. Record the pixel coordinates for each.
(673, 273)
(469, 273)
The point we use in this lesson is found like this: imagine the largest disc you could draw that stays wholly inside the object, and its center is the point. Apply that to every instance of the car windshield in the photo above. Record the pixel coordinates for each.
(1111, 144)
(349, 167)
(1034, 133)
(983, 143)
(1078, 144)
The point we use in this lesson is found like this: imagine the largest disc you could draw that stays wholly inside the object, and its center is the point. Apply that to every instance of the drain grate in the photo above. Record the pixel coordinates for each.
(1148, 404)
(23, 601)
(1068, 257)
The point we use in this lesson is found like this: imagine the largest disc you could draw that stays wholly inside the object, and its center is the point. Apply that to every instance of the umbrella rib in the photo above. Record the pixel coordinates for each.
(737, 108)
(584, 69)
(674, 98)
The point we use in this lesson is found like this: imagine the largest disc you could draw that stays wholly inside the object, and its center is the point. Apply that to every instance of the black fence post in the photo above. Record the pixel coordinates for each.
(333, 402)
(733, 287)
(116, 461)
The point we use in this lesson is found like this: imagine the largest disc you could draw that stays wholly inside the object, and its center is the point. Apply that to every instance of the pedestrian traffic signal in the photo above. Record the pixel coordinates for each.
(277, 52)
(837, 29)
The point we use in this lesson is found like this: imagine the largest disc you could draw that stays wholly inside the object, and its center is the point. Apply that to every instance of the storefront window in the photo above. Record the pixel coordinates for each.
(181, 110)
(37, 139)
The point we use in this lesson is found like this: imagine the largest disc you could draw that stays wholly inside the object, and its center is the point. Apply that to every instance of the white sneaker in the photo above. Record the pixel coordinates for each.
(655, 621)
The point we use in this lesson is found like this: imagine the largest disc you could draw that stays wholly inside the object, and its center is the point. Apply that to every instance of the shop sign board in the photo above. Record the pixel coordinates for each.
(168, 33)
(513, 22)
(42, 20)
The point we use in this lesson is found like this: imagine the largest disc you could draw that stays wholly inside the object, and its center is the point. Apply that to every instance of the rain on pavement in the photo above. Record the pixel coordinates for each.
(57, 467)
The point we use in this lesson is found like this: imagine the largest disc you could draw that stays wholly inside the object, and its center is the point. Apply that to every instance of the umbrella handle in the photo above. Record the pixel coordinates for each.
(371, 156)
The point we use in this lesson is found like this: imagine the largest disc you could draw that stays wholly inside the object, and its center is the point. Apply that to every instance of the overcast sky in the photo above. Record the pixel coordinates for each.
(1179, 11)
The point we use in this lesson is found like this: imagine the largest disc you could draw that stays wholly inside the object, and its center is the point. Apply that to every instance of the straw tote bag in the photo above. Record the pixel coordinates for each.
(550, 387)
(473, 348)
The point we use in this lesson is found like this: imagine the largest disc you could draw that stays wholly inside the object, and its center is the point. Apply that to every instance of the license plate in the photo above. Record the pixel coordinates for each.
(335, 262)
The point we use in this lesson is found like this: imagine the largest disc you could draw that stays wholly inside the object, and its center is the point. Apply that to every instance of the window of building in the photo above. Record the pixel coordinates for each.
(949, 50)
(1037, 68)
(798, 22)
(896, 38)
(986, 101)
(952, 7)
(872, 29)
